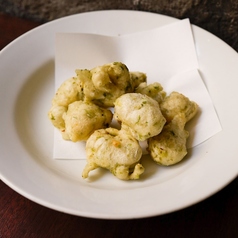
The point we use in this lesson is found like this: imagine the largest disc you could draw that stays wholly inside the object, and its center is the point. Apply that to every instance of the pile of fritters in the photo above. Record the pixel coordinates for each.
(81, 110)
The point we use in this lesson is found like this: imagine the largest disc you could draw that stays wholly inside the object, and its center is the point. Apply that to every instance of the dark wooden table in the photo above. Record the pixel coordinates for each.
(215, 217)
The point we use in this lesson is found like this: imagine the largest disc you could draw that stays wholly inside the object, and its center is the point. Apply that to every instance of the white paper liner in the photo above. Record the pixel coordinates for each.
(166, 54)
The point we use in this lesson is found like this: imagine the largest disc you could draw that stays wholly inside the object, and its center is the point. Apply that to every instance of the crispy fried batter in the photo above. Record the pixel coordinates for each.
(169, 147)
(104, 84)
(177, 103)
(83, 118)
(154, 90)
(69, 91)
(115, 150)
(137, 78)
(141, 114)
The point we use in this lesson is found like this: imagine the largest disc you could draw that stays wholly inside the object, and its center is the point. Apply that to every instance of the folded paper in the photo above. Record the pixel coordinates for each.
(166, 54)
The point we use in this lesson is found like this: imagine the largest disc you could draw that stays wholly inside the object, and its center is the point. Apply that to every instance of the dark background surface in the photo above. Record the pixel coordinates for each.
(215, 217)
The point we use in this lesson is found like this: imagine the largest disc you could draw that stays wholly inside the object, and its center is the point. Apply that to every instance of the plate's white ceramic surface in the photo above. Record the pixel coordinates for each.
(26, 135)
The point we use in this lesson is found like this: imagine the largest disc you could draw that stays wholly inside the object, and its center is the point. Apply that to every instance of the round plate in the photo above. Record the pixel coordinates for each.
(26, 135)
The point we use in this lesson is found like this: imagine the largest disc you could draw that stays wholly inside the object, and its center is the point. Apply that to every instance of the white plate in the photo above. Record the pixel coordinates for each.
(26, 135)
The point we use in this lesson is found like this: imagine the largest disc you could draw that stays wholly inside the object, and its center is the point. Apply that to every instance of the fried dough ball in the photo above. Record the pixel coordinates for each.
(169, 147)
(141, 114)
(177, 103)
(154, 90)
(137, 78)
(115, 150)
(83, 118)
(70, 91)
(104, 84)
(56, 116)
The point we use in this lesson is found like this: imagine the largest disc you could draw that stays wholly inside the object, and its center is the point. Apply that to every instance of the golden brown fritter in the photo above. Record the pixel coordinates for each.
(177, 103)
(141, 114)
(115, 150)
(69, 91)
(137, 78)
(154, 90)
(102, 85)
(83, 118)
(169, 147)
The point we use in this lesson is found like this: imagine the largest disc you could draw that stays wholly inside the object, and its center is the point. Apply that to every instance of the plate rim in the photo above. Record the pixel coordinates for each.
(45, 203)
